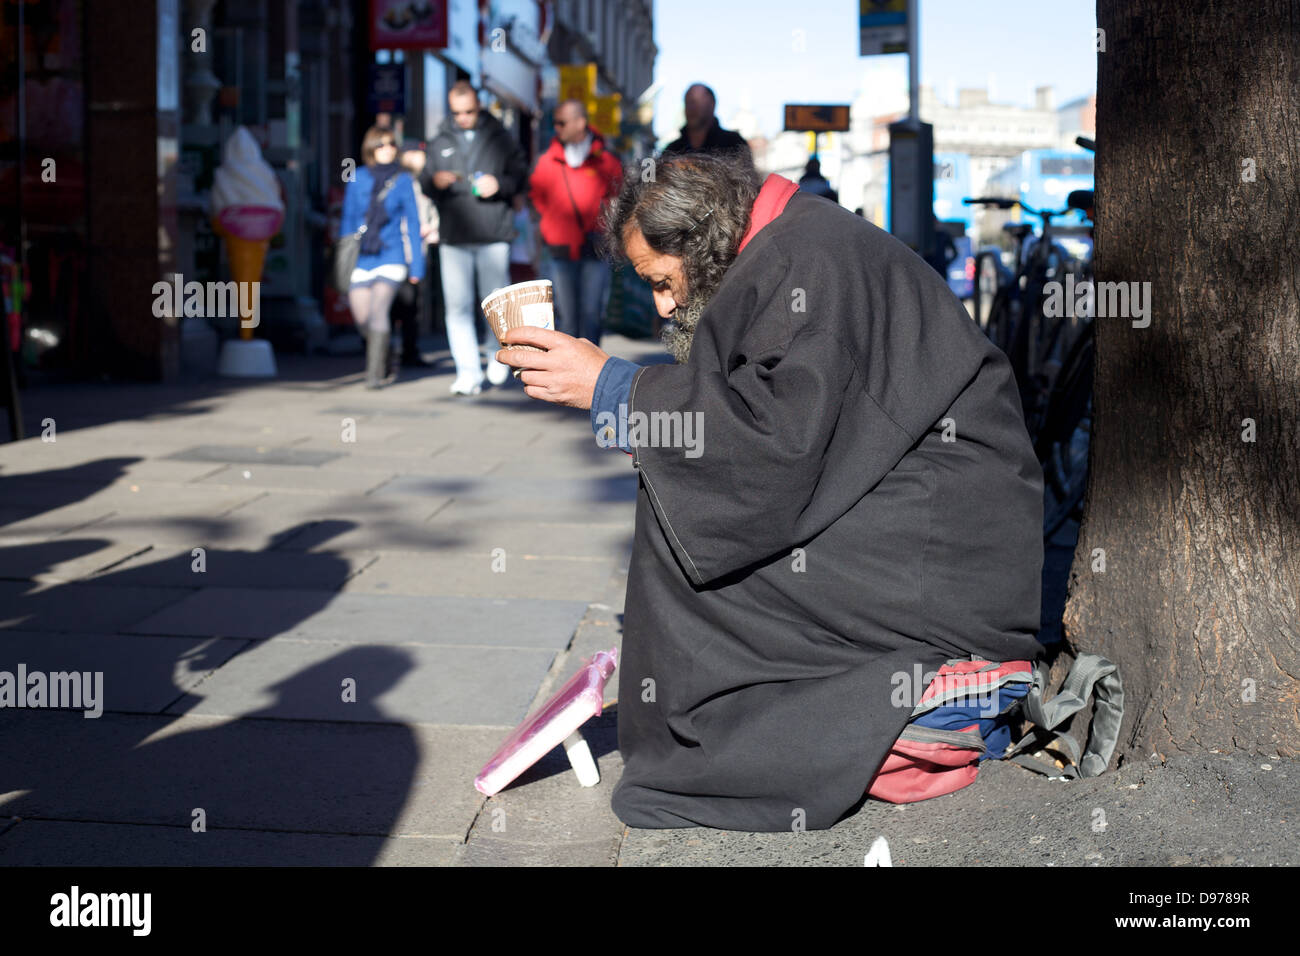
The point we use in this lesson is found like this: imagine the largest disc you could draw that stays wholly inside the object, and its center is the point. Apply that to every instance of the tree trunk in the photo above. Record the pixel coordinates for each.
(1194, 493)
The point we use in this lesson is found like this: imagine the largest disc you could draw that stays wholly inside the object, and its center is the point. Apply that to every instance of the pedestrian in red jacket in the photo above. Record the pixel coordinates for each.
(571, 181)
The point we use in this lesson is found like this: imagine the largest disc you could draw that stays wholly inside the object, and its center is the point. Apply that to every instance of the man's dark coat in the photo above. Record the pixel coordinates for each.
(759, 684)
(463, 217)
(715, 139)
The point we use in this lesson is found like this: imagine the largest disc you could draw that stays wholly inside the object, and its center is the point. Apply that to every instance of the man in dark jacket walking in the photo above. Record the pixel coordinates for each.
(474, 169)
(570, 182)
(702, 134)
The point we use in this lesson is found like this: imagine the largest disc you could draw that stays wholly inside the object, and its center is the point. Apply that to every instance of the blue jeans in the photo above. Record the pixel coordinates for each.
(581, 290)
(458, 264)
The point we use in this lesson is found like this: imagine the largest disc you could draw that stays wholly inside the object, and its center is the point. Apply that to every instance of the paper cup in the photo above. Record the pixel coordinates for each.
(524, 303)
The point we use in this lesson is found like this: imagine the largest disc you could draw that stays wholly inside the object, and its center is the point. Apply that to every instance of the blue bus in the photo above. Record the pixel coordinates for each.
(1043, 178)
(951, 185)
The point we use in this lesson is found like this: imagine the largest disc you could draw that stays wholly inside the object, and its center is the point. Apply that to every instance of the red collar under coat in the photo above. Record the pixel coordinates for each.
(776, 192)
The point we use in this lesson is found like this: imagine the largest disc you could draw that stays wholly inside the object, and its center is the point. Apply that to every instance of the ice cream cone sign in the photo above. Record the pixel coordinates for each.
(246, 212)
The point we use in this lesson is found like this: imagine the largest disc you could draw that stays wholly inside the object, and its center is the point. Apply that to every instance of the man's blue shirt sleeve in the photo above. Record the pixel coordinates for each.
(612, 390)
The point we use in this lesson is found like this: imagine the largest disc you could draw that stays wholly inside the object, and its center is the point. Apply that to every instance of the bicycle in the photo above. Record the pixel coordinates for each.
(1064, 442)
(1035, 343)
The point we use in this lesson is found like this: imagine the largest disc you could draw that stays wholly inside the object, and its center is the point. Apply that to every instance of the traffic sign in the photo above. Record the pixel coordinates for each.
(882, 27)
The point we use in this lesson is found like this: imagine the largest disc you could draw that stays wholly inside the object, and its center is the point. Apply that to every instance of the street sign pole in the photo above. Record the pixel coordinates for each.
(911, 157)
(913, 63)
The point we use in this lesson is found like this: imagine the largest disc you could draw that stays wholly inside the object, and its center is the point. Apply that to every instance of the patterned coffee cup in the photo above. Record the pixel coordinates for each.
(524, 303)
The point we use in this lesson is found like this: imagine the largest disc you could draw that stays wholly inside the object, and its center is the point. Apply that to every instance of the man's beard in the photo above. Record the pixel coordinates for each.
(678, 336)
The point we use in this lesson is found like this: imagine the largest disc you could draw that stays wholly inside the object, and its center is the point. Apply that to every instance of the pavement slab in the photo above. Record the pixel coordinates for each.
(472, 574)
(374, 410)
(62, 558)
(80, 607)
(254, 455)
(226, 568)
(374, 683)
(313, 615)
(36, 523)
(367, 445)
(379, 779)
(298, 478)
(67, 505)
(542, 538)
(601, 464)
(192, 529)
(607, 488)
(342, 521)
(391, 533)
(492, 851)
(472, 510)
(390, 465)
(62, 843)
(79, 455)
(139, 674)
(104, 470)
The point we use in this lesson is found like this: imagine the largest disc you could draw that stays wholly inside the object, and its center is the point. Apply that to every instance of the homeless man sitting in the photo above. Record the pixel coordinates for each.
(864, 498)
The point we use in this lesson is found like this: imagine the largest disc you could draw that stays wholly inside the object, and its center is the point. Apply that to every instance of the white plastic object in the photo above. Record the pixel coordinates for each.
(580, 759)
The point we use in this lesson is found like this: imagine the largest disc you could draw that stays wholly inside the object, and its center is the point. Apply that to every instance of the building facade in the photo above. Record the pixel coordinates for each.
(618, 37)
(106, 171)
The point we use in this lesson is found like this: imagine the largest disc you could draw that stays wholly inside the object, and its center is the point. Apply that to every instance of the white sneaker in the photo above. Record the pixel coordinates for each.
(465, 388)
(497, 372)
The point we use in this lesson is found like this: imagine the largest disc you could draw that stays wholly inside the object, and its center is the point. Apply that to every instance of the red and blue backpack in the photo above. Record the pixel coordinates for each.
(967, 715)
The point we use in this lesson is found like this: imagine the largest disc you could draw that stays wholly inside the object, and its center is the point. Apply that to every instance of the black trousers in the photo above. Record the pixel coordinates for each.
(408, 305)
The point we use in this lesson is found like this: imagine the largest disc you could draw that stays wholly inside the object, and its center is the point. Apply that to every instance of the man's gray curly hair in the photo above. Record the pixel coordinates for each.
(694, 206)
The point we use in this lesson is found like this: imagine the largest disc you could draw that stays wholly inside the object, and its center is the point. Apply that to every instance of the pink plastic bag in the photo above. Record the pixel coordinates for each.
(581, 698)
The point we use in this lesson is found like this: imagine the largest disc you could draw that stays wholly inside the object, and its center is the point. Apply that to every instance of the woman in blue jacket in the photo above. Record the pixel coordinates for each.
(382, 200)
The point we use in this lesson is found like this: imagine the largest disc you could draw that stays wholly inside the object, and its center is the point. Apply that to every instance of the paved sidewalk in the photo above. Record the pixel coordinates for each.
(451, 558)
(446, 563)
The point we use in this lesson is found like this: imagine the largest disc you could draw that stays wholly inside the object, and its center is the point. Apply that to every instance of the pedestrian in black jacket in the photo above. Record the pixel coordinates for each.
(702, 134)
(475, 168)
(814, 182)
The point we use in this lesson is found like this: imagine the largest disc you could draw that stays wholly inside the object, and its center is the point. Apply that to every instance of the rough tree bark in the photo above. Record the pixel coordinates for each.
(1198, 182)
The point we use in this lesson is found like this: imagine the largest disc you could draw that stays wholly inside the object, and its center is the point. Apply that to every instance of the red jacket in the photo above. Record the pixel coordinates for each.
(597, 179)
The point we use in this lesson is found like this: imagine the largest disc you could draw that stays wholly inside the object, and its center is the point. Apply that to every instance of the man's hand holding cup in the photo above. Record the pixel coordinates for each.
(565, 373)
